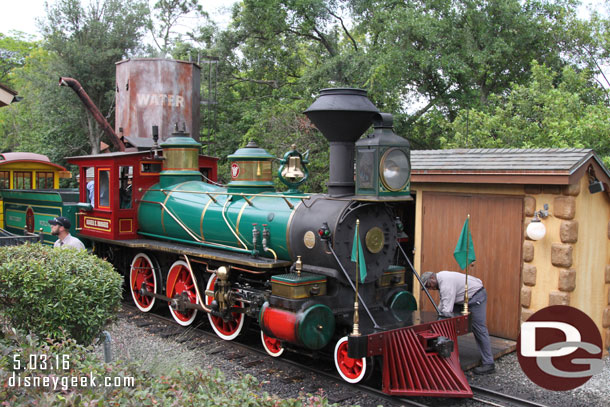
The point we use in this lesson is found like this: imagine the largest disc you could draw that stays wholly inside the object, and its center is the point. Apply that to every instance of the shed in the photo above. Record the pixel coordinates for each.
(502, 189)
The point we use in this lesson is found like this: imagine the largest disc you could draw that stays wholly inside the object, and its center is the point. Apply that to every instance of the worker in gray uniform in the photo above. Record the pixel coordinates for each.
(451, 286)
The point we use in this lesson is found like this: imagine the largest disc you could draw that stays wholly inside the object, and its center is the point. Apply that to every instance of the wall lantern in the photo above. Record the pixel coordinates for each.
(536, 230)
(595, 185)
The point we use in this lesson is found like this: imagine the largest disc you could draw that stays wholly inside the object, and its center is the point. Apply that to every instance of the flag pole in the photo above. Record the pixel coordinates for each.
(465, 311)
(356, 331)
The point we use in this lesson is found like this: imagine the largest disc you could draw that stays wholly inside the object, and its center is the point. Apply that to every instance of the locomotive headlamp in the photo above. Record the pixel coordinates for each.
(383, 167)
(395, 169)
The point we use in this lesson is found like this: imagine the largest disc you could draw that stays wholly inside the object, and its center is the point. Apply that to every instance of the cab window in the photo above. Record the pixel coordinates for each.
(104, 189)
(125, 183)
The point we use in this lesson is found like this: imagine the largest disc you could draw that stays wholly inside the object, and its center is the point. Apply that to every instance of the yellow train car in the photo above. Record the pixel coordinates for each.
(28, 171)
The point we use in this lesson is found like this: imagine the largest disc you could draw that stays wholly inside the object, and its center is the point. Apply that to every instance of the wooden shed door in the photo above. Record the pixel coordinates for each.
(496, 224)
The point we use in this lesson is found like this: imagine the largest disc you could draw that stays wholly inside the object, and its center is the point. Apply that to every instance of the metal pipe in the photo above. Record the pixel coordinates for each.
(354, 287)
(418, 279)
(301, 197)
(266, 238)
(211, 245)
(93, 109)
(224, 217)
(191, 233)
(107, 346)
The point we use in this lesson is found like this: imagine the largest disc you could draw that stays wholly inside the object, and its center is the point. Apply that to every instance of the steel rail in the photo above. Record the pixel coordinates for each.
(484, 395)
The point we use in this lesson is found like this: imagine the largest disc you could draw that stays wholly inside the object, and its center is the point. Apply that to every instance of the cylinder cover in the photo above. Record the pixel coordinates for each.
(312, 327)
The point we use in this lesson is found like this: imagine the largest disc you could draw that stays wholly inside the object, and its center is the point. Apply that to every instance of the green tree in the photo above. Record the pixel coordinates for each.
(88, 41)
(14, 49)
(44, 121)
(551, 110)
(454, 54)
(165, 19)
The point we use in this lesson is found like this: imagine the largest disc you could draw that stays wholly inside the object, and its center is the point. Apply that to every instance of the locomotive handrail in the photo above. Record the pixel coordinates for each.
(375, 325)
(244, 195)
(231, 193)
(417, 276)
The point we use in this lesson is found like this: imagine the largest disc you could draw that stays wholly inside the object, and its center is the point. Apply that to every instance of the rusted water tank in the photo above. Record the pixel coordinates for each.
(156, 92)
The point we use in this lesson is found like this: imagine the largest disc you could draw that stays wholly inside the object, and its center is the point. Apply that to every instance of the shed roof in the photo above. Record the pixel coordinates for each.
(560, 166)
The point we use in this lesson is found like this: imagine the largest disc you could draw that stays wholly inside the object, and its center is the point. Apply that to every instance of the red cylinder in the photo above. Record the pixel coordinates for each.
(278, 323)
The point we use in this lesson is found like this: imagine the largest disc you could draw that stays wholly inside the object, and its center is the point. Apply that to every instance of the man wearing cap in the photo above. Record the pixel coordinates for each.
(451, 286)
(60, 227)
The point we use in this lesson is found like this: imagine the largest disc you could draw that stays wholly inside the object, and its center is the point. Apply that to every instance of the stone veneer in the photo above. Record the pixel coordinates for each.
(564, 208)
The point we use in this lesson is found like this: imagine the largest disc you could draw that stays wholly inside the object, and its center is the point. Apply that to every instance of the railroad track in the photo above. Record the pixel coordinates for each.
(495, 398)
(251, 344)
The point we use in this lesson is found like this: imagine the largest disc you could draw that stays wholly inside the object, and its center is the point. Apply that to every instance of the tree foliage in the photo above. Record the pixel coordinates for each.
(165, 21)
(428, 62)
(43, 121)
(88, 41)
(13, 51)
(456, 53)
(551, 110)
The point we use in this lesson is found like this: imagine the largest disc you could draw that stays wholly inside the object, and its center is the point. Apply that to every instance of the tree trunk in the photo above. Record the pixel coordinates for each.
(93, 135)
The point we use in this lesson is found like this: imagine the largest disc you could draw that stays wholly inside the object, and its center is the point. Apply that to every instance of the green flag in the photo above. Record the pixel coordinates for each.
(460, 249)
(358, 255)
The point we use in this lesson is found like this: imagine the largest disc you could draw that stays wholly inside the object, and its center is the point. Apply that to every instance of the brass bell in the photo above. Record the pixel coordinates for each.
(293, 170)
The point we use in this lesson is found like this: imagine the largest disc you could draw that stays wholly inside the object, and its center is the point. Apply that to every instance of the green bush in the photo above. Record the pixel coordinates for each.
(56, 292)
(130, 384)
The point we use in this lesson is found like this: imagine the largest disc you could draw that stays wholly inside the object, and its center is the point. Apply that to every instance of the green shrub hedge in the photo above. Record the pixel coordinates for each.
(130, 385)
(56, 292)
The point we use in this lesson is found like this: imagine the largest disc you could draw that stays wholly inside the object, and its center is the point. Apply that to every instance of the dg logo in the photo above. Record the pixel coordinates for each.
(560, 348)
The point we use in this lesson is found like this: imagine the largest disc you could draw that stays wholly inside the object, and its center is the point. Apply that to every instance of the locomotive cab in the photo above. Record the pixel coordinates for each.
(113, 184)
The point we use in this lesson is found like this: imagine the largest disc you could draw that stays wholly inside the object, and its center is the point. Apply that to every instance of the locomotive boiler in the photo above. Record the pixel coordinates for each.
(282, 260)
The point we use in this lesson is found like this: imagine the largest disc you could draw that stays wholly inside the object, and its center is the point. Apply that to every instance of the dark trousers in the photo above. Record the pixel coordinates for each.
(477, 305)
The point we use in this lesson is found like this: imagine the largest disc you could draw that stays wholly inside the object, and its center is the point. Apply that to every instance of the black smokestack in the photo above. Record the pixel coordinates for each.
(342, 115)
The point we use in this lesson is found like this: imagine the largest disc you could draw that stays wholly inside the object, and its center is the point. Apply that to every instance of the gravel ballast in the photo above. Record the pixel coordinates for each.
(134, 339)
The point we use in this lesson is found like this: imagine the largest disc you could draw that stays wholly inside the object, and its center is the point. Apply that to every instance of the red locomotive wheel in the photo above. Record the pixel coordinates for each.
(351, 370)
(273, 346)
(179, 282)
(143, 272)
(227, 330)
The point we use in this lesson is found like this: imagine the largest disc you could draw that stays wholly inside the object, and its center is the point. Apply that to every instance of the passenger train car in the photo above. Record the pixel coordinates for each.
(31, 181)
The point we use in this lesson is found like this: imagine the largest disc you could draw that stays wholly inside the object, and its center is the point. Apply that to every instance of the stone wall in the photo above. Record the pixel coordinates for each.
(551, 266)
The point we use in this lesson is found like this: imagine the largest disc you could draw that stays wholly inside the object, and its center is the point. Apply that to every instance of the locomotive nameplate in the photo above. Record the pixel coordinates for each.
(100, 224)
(374, 240)
(309, 239)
